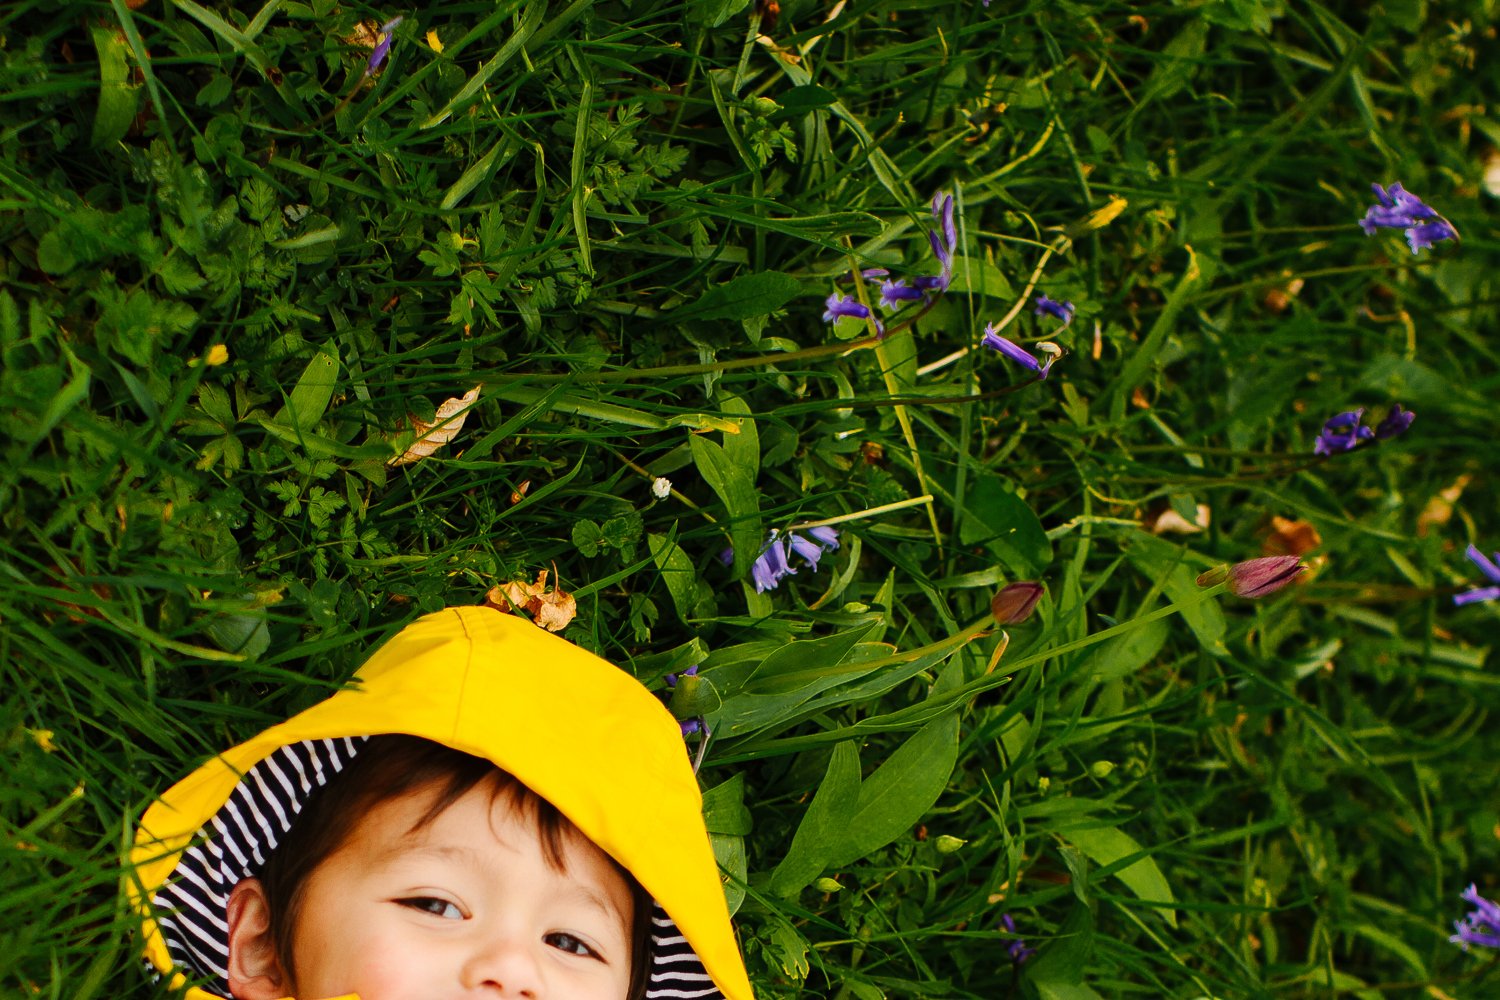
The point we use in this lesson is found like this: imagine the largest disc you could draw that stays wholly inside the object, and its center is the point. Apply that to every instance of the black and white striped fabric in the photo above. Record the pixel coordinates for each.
(236, 842)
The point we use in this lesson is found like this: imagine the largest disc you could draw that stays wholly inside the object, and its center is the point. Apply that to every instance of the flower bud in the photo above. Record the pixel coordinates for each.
(827, 885)
(1016, 601)
(1214, 577)
(947, 845)
(1101, 768)
(1262, 577)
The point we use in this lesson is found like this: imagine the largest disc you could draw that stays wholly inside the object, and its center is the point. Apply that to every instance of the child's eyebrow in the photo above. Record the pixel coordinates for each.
(588, 895)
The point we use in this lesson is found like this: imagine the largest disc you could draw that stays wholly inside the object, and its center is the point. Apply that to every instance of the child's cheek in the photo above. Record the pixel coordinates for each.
(385, 963)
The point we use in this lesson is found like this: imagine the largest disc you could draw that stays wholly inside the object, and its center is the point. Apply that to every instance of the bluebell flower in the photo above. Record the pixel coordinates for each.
(1395, 422)
(383, 46)
(1400, 209)
(942, 247)
(1342, 433)
(771, 565)
(1062, 310)
(823, 540)
(843, 305)
(727, 556)
(1019, 354)
(895, 294)
(690, 726)
(1480, 927)
(1017, 949)
(1490, 570)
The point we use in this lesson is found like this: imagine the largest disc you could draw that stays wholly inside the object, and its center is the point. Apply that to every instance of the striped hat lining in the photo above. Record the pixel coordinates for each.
(235, 843)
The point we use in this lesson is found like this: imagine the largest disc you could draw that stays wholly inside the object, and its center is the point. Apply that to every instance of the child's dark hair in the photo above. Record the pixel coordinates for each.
(393, 765)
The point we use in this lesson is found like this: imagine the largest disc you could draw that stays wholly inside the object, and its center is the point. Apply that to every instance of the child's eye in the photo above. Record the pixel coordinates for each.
(570, 944)
(431, 904)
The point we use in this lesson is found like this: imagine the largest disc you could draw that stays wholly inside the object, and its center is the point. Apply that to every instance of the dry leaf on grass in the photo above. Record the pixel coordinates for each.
(445, 425)
(1164, 519)
(1290, 538)
(552, 610)
(1439, 509)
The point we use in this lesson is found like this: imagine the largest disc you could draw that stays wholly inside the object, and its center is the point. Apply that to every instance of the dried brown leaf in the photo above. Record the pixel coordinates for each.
(446, 424)
(552, 610)
(1290, 538)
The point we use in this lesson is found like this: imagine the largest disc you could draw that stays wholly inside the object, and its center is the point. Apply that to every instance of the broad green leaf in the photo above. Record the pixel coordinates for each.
(900, 791)
(1008, 522)
(694, 696)
(677, 572)
(795, 663)
(241, 634)
(743, 449)
(503, 149)
(1144, 878)
(746, 296)
(1154, 558)
(823, 825)
(1125, 654)
(724, 808)
(117, 98)
(314, 390)
(745, 713)
(712, 13)
(736, 490)
(977, 275)
(729, 852)
(1057, 972)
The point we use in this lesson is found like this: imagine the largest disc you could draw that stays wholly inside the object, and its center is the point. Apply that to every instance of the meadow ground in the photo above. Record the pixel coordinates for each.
(245, 267)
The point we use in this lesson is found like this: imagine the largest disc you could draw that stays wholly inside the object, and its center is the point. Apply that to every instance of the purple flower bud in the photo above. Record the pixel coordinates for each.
(1019, 354)
(1062, 310)
(1395, 422)
(771, 565)
(1429, 233)
(1016, 601)
(827, 536)
(1482, 926)
(895, 294)
(383, 46)
(807, 549)
(1400, 209)
(1017, 949)
(1256, 578)
(843, 305)
(690, 726)
(1490, 570)
(1342, 433)
(671, 679)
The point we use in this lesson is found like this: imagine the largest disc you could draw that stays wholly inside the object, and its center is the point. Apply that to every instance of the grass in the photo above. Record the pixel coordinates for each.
(611, 231)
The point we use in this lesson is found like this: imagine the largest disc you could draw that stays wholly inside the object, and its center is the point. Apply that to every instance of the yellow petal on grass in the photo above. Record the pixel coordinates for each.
(446, 424)
(43, 738)
(433, 43)
(1099, 218)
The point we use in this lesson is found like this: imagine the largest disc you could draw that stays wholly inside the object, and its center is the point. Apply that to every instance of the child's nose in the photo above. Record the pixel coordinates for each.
(505, 970)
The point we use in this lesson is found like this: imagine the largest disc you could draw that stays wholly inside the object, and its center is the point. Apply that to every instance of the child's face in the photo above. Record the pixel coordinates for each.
(466, 906)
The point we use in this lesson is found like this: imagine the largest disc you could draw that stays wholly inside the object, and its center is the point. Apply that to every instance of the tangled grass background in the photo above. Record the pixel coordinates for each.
(243, 271)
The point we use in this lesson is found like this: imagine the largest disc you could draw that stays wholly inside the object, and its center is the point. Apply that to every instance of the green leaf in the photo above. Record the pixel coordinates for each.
(503, 149)
(314, 390)
(117, 99)
(900, 791)
(736, 491)
(621, 532)
(729, 852)
(724, 808)
(1125, 654)
(513, 45)
(53, 254)
(1143, 877)
(677, 572)
(745, 296)
(792, 666)
(1154, 559)
(823, 825)
(1057, 972)
(239, 634)
(1008, 523)
(693, 696)
(586, 538)
(132, 324)
(712, 13)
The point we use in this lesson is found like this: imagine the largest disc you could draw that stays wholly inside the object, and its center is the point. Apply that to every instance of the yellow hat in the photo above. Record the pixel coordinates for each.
(581, 733)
